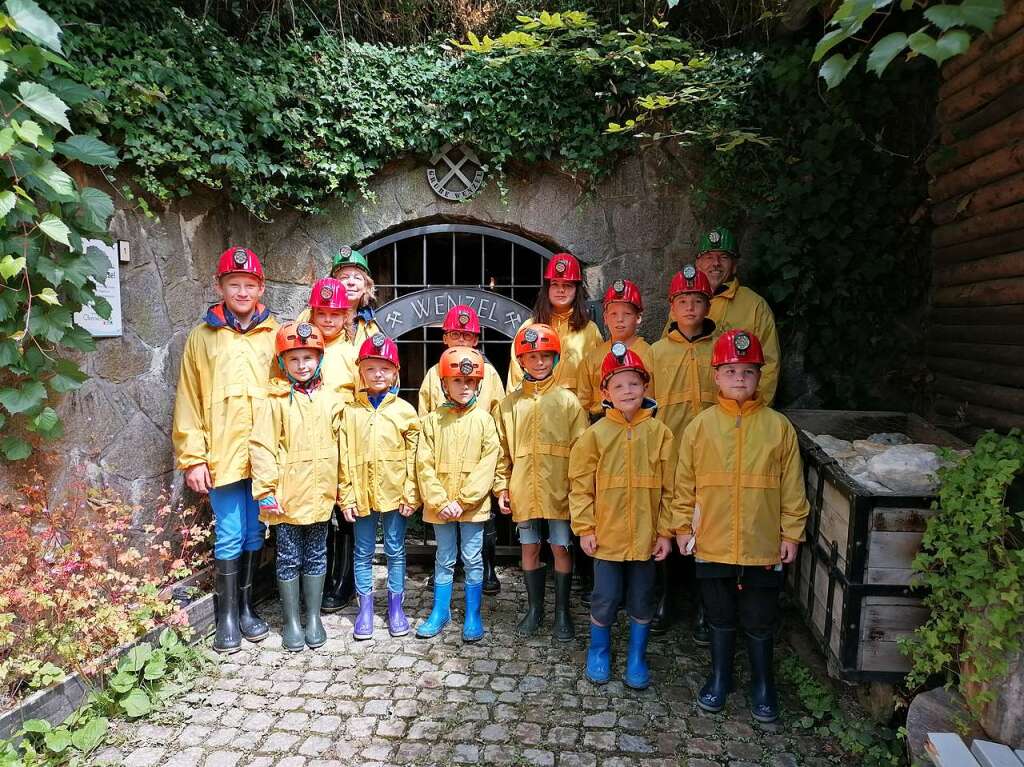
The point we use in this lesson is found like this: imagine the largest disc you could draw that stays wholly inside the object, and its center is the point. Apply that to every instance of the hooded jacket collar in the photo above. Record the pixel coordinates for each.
(732, 407)
(532, 387)
(219, 316)
(648, 409)
(706, 331)
(728, 290)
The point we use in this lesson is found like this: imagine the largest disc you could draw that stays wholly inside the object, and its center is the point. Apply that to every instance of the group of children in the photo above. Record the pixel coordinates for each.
(614, 448)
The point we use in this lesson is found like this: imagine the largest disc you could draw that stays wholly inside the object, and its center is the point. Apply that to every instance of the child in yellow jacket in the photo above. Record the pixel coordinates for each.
(224, 371)
(620, 472)
(740, 506)
(538, 424)
(377, 478)
(294, 453)
(455, 462)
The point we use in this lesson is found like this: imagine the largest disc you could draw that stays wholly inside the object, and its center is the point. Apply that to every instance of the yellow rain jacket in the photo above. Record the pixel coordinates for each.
(294, 453)
(223, 378)
(455, 461)
(589, 378)
(538, 424)
(339, 369)
(575, 346)
(378, 455)
(682, 377)
(741, 466)
(432, 396)
(621, 485)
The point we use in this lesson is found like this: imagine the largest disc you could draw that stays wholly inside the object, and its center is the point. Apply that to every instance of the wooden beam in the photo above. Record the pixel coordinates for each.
(1009, 399)
(980, 415)
(998, 194)
(982, 315)
(1010, 102)
(983, 334)
(998, 354)
(998, 221)
(997, 56)
(979, 270)
(948, 158)
(1005, 26)
(977, 370)
(1004, 161)
(994, 245)
(988, 293)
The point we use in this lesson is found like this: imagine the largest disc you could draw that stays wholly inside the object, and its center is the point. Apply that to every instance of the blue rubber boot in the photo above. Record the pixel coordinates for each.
(599, 654)
(473, 627)
(637, 676)
(441, 615)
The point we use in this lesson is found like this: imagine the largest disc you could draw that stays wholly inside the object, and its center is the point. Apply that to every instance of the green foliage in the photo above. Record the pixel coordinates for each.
(937, 31)
(45, 274)
(972, 562)
(870, 745)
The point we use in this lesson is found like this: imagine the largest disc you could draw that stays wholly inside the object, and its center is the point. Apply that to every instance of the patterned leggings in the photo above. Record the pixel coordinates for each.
(301, 548)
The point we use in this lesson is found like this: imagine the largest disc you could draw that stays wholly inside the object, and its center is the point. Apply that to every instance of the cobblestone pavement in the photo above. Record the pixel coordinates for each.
(504, 700)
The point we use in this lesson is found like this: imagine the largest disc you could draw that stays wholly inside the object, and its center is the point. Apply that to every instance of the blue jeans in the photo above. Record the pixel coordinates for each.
(559, 533)
(447, 537)
(236, 520)
(394, 549)
(301, 550)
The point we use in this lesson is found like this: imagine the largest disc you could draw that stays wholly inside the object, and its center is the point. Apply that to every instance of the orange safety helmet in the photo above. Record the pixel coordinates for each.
(379, 347)
(461, 361)
(239, 261)
(620, 359)
(624, 292)
(328, 293)
(689, 280)
(536, 338)
(298, 335)
(563, 266)
(461, 318)
(737, 346)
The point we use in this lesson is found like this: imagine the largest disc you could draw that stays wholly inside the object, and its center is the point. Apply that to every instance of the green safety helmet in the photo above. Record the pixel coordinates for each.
(347, 256)
(718, 238)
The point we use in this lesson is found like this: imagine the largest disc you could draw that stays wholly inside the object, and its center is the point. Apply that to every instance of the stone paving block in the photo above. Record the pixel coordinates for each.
(189, 757)
(223, 759)
(144, 757)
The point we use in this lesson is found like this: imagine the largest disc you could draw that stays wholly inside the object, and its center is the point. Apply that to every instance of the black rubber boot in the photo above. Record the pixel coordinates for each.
(534, 601)
(662, 620)
(490, 553)
(339, 592)
(228, 636)
(254, 628)
(764, 700)
(701, 632)
(715, 690)
(563, 630)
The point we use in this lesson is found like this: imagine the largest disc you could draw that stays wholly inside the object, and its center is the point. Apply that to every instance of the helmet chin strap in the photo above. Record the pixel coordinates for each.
(554, 364)
(297, 385)
(449, 402)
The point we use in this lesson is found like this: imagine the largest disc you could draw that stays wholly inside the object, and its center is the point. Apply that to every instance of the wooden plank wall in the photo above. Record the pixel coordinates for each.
(976, 327)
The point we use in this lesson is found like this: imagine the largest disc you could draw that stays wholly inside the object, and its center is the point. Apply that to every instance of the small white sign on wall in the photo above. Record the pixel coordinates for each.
(110, 290)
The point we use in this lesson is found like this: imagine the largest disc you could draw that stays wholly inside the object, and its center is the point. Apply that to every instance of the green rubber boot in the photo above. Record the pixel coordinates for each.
(292, 637)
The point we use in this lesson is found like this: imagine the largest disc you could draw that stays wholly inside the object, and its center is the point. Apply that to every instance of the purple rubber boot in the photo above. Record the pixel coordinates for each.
(363, 628)
(398, 624)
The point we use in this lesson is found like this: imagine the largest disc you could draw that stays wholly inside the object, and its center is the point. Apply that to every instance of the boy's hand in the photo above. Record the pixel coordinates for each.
(683, 542)
(662, 548)
(455, 509)
(405, 509)
(198, 478)
(589, 544)
(349, 513)
(504, 502)
(787, 552)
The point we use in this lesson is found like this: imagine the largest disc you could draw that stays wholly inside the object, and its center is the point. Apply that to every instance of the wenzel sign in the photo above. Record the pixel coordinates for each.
(428, 307)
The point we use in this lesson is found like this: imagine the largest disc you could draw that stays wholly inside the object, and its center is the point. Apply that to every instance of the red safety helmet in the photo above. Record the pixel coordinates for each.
(620, 359)
(461, 361)
(536, 338)
(298, 335)
(624, 292)
(689, 280)
(239, 261)
(462, 318)
(563, 266)
(737, 346)
(379, 347)
(328, 293)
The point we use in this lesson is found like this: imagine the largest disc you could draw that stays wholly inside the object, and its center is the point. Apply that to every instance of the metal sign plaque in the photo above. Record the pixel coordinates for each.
(455, 173)
(429, 307)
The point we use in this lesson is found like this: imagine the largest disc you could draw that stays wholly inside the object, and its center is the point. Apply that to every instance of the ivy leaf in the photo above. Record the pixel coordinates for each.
(35, 23)
(945, 16)
(55, 229)
(884, 51)
(829, 41)
(48, 296)
(136, 704)
(837, 68)
(31, 394)
(982, 14)
(28, 131)
(41, 100)
(46, 422)
(52, 323)
(59, 181)
(97, 208)
(6, 140)
(15, 449)
(87, 149)
(10, 266)
(10, 353)
(68, 377)
(7, 201)
(78, 338)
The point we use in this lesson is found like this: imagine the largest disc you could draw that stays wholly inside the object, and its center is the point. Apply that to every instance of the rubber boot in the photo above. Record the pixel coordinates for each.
(473, 624)
(490, 553)
(312, 593)
(764, 700)
(440, 615)
(342, 588)
(254, 628)
(701, 631)
(534, 601)
(719, 684)
(363, 626)
(293, 638)
(228, 636)
(662, 620)
(563, 630)
(398, 624)
(637, 674)
(599, 654)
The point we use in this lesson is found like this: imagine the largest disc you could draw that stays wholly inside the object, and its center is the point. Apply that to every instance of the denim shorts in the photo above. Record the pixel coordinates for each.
(559, 533)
